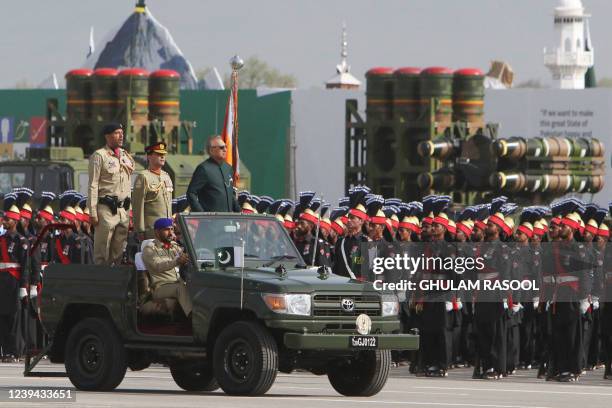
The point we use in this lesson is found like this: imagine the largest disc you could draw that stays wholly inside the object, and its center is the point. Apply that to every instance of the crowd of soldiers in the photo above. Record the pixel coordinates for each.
(561, 328)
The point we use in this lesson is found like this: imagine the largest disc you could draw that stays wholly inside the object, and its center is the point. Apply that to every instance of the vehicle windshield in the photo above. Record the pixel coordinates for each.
(264, 240)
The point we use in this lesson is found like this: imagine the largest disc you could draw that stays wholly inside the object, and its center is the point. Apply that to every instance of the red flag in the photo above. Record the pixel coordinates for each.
(230, 128)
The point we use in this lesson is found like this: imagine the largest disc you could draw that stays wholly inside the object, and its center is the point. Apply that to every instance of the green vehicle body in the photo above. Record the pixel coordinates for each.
(220, 298)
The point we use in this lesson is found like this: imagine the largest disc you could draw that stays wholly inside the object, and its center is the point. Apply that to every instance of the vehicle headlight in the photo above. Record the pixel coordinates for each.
(390, 306)
(294, 304)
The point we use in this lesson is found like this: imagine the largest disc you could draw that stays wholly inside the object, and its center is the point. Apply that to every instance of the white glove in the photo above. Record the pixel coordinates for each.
(536, 302)
(547, 305)
(595, 302)
(505, 304)
(22, 293)
(584, 306)
(459, 304)
(33, 291)
(448, 306)
(516, 308)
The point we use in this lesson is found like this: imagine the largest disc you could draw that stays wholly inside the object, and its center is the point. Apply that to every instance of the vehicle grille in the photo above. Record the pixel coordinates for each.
(331, 305)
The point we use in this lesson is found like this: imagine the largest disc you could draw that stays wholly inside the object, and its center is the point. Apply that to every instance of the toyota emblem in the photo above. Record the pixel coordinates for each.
(348, 305)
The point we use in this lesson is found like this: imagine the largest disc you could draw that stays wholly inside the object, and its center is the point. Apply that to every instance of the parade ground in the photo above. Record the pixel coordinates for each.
(154, 387)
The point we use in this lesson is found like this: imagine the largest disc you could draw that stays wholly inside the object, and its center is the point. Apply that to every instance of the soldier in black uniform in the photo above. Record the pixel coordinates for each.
(490, 306)
(521, 324)
(85, 234)
(391, 211)
(337, 228)
(463, 308)
(603, 240)
(27, 323)
(437, 306)
(314, 250)
(480, 223)
(426, 222)
(13, 258)
(40, 259)
(348, 258)
(570, 299)
(66, 247)
(593, 217)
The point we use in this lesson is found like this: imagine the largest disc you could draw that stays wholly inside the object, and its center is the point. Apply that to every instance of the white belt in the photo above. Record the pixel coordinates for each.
(488, 276)
(565, 279)
(7, 265)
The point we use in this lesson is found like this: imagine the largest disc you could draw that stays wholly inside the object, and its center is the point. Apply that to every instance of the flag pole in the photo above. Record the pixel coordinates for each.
(236, 63)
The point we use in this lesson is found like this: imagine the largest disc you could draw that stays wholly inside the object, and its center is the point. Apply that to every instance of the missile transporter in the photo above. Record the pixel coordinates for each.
(257, 310)
(147, 104)
(424, 132)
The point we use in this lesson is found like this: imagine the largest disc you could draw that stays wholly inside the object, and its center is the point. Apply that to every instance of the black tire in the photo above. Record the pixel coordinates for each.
(194, 376)
(95, 356)
(245, 359)
(363, 375)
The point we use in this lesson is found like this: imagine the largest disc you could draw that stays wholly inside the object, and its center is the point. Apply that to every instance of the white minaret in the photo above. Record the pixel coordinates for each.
(569, 60)
(344, 79)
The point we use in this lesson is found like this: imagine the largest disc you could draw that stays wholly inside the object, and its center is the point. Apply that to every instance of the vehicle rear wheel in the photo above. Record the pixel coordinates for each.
(95, 356)
(363, 375)
(194, 376)
(245, 359)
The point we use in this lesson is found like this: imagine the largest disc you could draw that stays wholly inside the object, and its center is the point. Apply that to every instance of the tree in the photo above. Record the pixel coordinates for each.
(23, 84)
(257, 73)
(605, 83)
(530, 83)
(202, 72)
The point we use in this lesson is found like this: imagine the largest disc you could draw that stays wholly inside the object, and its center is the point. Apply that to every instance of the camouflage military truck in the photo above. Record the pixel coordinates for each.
(257, 310)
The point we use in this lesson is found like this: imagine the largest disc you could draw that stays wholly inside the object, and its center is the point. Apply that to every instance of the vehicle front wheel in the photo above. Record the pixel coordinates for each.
(95, 356)
(363, 375)
(194, 376)
(245, 359)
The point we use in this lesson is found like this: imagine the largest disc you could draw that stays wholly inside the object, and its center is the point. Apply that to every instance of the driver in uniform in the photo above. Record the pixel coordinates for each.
(162, 259)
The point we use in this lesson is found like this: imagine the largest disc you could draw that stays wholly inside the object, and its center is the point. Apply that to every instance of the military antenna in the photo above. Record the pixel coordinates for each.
(242, 270)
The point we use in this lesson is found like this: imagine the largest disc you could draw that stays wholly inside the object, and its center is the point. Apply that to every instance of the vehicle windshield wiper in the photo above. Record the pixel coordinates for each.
(278, 258)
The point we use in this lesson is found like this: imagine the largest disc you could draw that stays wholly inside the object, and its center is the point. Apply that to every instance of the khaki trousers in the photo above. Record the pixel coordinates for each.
(110, 236)
(176, 291)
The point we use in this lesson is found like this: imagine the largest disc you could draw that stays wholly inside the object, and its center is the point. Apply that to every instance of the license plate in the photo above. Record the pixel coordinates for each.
(363, 342)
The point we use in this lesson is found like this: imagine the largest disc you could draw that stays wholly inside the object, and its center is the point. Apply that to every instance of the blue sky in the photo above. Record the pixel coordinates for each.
(302, 37)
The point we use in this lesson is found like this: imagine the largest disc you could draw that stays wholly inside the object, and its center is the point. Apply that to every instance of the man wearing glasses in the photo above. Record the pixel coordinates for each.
(212, 187)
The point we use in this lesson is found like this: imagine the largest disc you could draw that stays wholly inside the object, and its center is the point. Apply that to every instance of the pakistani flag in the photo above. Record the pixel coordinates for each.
(589, 77)
(229, 257)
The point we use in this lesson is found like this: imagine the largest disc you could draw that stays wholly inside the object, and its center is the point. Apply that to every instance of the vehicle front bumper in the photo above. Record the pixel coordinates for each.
(311, 341)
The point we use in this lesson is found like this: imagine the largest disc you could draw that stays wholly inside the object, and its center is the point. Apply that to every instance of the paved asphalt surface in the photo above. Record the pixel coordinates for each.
(154, 387)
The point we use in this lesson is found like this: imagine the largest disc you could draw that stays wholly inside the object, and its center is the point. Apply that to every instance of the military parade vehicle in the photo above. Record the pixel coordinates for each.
(147, 104)
(424, 133)
(257, 310)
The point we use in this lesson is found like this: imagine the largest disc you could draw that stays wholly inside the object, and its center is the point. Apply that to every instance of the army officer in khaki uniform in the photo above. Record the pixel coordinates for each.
(110, 170)
(162, 259)
(152, 195)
